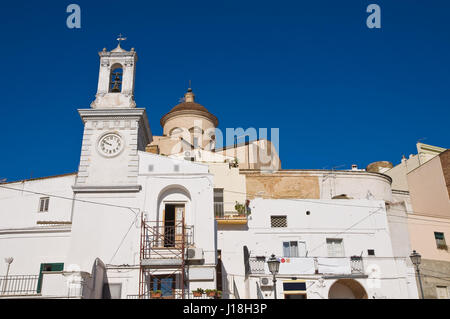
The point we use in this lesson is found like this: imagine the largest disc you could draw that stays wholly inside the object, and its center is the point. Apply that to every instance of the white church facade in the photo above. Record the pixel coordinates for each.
(163, 216)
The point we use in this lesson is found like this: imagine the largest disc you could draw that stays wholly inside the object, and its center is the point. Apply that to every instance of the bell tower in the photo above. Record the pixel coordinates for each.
(116, 78)
(114, 128)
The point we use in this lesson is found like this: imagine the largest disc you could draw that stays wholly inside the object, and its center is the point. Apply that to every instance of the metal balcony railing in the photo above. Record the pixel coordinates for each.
(176, 295)
(17, 285)
(161, 240)
(355, 263)
(257, 265)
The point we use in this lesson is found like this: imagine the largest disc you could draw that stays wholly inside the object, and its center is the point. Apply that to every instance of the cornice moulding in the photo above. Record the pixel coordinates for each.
(107, 189)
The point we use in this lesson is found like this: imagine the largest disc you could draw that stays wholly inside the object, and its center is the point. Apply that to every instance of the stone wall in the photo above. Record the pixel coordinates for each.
(434, 273)
(445, 162)
(281, 185)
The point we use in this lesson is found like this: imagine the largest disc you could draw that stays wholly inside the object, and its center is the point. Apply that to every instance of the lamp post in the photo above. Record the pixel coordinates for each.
(416, 258)
(9, 261)
(274, 266)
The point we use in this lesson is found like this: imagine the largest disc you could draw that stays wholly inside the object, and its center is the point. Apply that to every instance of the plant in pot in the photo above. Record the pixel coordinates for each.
(156, 293)
(243, 210)
(198, 293)
(210, 292)
(218, 294)
(235, 162)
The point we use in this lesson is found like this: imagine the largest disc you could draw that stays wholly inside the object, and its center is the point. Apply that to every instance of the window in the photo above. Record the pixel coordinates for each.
(43, 204)
(278, 221)
(112, 291)
(165, 283)
(442, 292)
(290, 249)
(48, 267)
(195, 142)
(302, 252)
(371, 252)
(294, 289)
(440, 240)
(218, 202)
(176, 132)
(335, 247)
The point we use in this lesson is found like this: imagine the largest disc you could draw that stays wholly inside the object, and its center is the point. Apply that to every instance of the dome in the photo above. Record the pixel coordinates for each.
(189, 107)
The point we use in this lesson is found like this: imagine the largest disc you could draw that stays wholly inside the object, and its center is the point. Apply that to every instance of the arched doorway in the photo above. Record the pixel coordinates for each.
(347, 289)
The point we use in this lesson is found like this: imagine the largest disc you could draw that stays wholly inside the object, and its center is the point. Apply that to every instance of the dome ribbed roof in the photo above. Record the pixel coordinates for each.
(189, 107)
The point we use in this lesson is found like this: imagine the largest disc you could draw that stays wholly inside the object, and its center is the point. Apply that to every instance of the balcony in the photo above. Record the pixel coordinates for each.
(18, 285)
(327, 266)
(165, 245)
(176, 294)
(228, 217)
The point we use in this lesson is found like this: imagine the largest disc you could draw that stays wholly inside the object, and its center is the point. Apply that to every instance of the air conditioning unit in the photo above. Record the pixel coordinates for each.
(265, 281)
(194, 254)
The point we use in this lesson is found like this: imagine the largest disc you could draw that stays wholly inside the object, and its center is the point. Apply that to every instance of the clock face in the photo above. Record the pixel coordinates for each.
(110, 145)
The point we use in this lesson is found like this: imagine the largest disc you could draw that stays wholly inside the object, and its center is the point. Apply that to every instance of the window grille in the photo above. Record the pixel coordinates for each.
(278, 221)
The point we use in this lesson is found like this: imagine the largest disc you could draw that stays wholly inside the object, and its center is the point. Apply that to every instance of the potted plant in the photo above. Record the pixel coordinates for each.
(218, 294)
(210, 292)
(235, 163)
(243, 210)
(198, 293)
(156, 293)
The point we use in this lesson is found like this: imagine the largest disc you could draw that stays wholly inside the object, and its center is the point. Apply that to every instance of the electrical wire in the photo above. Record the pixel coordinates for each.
(71, 199)
(324, 202)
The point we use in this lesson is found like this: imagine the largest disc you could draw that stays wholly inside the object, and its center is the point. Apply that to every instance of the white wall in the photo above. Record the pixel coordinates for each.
(21, 237)
(358, 222)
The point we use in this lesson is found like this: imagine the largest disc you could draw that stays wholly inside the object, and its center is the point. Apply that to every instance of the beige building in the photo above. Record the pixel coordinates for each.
(190, 132)
(422, 182)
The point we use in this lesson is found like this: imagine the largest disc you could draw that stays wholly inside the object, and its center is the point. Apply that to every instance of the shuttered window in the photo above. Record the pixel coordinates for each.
(440, 240)
(290, 249)
(218, 202)
(43, 204)
(335, 247)
(48, 267)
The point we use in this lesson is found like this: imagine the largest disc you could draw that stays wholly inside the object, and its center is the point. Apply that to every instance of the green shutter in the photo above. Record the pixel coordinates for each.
(50, 267)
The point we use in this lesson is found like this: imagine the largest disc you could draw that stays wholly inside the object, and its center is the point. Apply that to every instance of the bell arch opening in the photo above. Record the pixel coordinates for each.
(116, 75)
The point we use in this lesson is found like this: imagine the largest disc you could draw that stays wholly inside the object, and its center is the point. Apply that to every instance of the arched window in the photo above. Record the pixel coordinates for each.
(115, 85)
(196, 136)
(176, 132)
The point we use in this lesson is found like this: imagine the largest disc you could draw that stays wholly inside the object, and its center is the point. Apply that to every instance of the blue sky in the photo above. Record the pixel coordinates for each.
(340, 93)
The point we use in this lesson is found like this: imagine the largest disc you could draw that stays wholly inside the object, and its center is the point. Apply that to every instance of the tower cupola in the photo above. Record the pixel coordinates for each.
(116, 78)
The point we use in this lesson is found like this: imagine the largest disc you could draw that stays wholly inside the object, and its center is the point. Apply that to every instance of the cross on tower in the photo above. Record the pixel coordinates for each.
(121, 38)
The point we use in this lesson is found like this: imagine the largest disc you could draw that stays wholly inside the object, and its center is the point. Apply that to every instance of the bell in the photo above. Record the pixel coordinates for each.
(116, 87)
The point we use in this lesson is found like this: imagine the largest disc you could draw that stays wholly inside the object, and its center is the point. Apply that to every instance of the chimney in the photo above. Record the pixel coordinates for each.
(152, 149)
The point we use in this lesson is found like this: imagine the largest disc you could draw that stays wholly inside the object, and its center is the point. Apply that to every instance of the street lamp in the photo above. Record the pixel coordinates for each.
(9, 261)
(416, 258)
(274, 266)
